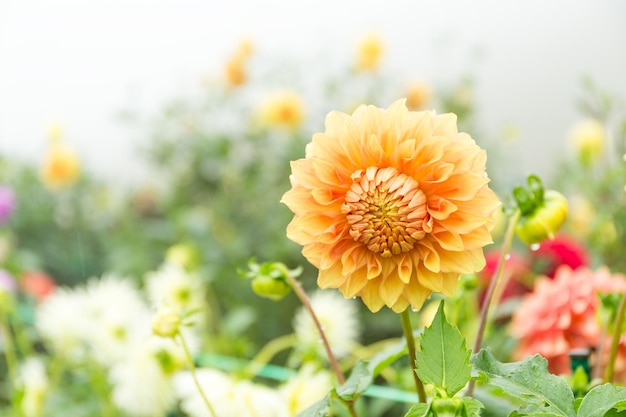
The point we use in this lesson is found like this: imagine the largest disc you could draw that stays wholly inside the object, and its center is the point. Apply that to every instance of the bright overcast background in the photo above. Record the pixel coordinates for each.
(79, 63)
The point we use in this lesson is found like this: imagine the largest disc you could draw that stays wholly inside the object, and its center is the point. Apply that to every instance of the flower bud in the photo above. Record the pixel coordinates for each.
(270, 287)
(542, 211)
(545, 220)
(166, 322)
(448, 407)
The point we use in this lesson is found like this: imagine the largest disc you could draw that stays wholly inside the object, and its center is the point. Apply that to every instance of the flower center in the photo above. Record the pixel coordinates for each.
(386, 210)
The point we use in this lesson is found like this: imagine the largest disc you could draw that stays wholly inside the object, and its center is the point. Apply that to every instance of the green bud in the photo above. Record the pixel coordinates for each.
(544, 220)
(270, 279)
(270, 287)
(448, 407)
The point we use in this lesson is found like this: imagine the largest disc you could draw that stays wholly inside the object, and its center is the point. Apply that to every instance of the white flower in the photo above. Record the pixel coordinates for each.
(142, 382)
(180, 290)
(338, 318)
(119, 317)
(61, 321)
(227, 397)
(305, 388)
(34, 382)
(173, 286)
(100, 320)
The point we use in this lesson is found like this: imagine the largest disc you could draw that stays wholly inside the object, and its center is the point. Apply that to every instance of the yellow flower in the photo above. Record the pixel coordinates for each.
(235, 67)
(391, 205)
(60, 167)
(588, 137)
(283, 108)
(370, 50)
(582, 215)
(417, 95)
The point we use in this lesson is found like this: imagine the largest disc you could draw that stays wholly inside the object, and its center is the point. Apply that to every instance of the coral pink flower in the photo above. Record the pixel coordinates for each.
(561, 314)
(391, 205)
(37, 284)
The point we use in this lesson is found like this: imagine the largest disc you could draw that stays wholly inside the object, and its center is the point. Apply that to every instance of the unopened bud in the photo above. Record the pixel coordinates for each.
(166, 322)
(270, 287)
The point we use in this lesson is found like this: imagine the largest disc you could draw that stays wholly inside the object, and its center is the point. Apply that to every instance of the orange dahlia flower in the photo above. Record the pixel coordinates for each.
(391, 205)
(561, 314)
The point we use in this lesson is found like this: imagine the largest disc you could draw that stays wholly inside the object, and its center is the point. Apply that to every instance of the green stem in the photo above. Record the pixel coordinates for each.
(407, 328)
(493, 284)
(334, 364)
(9, 353)
(97, 378)
(617, 333)
(192, 369)
(268, 352)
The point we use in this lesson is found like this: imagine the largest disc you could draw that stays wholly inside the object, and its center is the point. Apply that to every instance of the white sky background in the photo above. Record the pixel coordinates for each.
(81, 62)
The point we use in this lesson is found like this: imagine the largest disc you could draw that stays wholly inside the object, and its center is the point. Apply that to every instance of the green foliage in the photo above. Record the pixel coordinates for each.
(444, 359)
(529, 380)
(601, 400)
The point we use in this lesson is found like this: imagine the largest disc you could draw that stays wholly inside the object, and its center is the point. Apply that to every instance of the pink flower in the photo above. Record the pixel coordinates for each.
(562, 250)
(37, 284)
(561, 314)
(7, 203)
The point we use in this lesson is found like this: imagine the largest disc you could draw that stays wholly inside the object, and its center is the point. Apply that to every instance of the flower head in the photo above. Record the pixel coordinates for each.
(283, 108)
(391, 205)
(235, 67)
(60, 167)
(37, 284)
(141, 386)
(229, 397)
(561, 314)
(588, 138)
(562, 250)
(369, 51)
(7, 203)
(102, 320)
(418, 94)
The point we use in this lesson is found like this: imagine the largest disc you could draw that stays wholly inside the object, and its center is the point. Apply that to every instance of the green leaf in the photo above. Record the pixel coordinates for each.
(359, 380)
(472, 407)
(444, 359)
(601, 399)
(317, 409)
(419, 410)
(386, 357)
(529, 380)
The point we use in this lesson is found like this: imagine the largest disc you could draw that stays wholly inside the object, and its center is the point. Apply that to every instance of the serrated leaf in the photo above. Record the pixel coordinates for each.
(601, 399)
(359, 380)
(418, 410)
(317, 409)
(444, 359)
(472, 407)
(529, 380)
